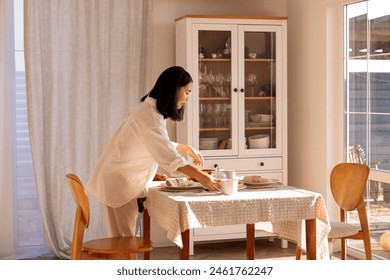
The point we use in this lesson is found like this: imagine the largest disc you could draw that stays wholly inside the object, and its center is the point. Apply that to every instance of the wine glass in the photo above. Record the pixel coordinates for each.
(223, 115)
(210, 80)
(227, 84)
(217, 114)
(202, 115)
(209, 116)
(219, 81)
(202, 83)
(252, 80)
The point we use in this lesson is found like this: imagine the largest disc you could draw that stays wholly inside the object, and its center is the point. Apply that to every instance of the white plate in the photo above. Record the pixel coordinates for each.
(267, 124)
(262, 183)
(181, 189)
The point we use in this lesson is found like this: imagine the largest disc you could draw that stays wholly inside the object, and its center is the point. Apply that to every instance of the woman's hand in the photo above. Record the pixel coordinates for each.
(196, 156)
(212, 183)
(205, 179)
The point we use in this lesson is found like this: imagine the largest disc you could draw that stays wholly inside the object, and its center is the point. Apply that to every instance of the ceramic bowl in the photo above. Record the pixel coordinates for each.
(266, 118)
(256, 118)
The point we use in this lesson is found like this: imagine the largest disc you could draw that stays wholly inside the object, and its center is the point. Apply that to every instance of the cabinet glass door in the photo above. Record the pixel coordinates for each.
(214, 83)
(259, 90)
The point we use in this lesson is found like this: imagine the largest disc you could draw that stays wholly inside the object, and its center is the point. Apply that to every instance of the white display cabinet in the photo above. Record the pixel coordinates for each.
(236, 114)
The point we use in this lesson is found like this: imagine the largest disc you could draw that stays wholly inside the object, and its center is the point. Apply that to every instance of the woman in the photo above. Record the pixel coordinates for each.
(139, 145)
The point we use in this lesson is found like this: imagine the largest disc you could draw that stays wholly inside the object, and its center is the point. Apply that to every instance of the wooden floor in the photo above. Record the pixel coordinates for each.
(231, 250)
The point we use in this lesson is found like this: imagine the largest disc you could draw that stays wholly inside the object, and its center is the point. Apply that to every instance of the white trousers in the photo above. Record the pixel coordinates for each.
(122, 221)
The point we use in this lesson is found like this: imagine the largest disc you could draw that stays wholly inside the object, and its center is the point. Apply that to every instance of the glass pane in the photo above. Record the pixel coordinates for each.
(380, 90)
(357, 130)
(357, 31)
(379, 144)
(260, 94)
(357, 57)
(357, 91)
(379, 82)
(368, 108)
(215, 90)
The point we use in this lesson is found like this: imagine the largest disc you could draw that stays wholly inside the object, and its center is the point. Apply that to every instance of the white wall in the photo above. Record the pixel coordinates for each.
(315, 94)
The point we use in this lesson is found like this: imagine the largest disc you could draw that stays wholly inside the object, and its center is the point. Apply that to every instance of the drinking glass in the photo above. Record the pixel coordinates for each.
(217, 115)
(223, 115)
(202, 84)
(202, 115)
(209, 116)
(219, 82)
(210, 80)
(252, 80)
(227, 84)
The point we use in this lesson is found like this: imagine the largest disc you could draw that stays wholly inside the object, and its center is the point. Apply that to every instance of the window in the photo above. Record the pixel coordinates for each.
(28, 222)
(367, 107)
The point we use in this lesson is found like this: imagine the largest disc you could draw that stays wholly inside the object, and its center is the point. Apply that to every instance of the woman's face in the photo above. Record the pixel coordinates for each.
(183, 95)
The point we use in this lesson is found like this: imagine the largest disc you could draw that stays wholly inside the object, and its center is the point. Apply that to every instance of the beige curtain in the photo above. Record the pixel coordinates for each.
(86, 67)
(6, 160)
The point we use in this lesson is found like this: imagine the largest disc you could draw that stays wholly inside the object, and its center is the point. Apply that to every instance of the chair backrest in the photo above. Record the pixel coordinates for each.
(347, 183)
(82, 214)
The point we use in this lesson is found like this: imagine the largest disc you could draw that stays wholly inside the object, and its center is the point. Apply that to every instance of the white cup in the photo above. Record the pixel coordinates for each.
(229, 186)
(230, 174)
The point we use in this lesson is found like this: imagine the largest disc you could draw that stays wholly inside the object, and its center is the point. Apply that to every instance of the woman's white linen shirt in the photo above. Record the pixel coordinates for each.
(130, 159)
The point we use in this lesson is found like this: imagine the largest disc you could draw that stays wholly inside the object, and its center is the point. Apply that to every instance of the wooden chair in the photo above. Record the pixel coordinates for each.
(385, 241)
(347, 183)
(105, 248)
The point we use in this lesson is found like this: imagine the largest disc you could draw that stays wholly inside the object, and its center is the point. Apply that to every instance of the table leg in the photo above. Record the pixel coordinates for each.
(250, 241)
(311, 249)
(146, 231)
(184, 254)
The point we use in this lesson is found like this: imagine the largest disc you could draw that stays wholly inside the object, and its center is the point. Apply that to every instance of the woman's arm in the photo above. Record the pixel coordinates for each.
(196, 156)
(205, 179)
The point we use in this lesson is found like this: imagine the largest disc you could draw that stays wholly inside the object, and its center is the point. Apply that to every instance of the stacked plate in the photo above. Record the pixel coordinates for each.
(229, 143)
(208, 143)
(259, 141)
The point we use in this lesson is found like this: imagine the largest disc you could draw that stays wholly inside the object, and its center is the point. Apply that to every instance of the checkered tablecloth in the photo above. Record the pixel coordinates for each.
(281, 210)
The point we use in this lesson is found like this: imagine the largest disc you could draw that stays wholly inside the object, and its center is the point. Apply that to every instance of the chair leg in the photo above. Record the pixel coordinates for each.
(298, 254)
(367, 247)
(133, 256)
(330, 248)
(343, 249)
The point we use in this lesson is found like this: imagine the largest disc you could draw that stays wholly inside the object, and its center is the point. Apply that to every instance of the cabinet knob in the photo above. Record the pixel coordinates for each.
(242, 90)
(235, 89)
(261, 163)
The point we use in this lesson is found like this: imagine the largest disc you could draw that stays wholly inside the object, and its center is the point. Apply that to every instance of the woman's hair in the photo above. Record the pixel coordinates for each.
(166, 90)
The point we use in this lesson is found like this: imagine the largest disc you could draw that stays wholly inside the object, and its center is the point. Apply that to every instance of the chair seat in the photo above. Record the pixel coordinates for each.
(340, 230)
(118, 245)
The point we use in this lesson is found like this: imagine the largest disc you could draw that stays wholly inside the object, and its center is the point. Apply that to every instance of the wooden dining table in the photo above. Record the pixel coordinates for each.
(293, 214)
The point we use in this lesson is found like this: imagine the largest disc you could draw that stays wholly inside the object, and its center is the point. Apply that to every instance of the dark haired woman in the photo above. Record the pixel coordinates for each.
(139, 145)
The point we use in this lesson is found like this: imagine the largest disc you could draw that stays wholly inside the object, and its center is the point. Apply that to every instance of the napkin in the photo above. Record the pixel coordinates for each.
(178, 182)
(252, 179)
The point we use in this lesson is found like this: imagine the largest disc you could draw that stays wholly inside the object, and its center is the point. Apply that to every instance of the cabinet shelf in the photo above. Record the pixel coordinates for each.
(229, 59)
(214, 129)
(214, 98)
(215, 59)
(259, 97)
(260, 128)
(260, 60)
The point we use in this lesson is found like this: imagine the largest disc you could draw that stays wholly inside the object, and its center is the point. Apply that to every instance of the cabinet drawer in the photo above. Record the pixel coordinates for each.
(247, 164)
